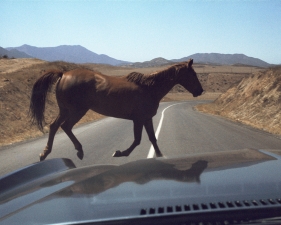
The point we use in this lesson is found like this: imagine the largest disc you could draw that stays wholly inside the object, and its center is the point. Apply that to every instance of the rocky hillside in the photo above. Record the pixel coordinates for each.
(255, 101)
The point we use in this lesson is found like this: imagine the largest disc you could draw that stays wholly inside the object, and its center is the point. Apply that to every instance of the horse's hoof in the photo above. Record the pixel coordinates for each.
(117, 154)
(42, 157)
(159, 155)
(80, 155)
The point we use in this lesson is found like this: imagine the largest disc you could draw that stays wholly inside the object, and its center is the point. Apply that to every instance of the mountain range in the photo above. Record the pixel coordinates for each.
(225, 59)
(13, 53)
(79, 54)
(67, 53)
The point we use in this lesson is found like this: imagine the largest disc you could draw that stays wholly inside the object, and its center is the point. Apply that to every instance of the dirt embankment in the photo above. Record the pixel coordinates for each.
(255, 101)
(16, 83)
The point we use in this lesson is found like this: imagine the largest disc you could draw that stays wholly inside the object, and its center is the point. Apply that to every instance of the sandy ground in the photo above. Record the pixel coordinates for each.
(12, 65)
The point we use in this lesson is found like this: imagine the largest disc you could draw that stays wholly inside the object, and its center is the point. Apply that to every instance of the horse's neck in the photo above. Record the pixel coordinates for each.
(164, 85)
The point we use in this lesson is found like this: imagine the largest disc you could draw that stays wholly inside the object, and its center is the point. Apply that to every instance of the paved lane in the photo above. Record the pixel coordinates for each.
(183, 131)
(186, 131)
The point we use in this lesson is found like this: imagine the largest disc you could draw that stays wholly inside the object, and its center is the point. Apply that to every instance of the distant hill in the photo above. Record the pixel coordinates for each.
(154, 62)
(13, 53)
(207, 58)
(225, 59)
(67, 53)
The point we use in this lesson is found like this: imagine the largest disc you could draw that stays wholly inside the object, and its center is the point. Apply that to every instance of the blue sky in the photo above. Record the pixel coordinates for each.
(140, 30)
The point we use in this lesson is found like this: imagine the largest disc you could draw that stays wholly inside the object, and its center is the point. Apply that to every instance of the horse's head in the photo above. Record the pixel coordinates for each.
(187, 77)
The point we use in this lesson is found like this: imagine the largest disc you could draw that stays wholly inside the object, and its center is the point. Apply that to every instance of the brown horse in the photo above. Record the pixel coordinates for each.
(135, 97)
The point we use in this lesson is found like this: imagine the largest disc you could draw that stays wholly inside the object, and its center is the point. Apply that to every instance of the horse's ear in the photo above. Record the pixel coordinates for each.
(190, 62)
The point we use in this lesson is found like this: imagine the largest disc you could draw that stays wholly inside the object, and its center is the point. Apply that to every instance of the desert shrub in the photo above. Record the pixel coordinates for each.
(279, 88)
(276, 83)
(265, 102)
(279, 100)
(256, 93)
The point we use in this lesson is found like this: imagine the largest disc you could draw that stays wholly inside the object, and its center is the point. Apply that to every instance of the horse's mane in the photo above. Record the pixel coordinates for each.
(156, 77)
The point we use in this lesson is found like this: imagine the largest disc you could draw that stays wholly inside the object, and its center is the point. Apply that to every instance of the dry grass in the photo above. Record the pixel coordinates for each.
(255, 101)
(17, 77)
(184, 96)
(16, 80)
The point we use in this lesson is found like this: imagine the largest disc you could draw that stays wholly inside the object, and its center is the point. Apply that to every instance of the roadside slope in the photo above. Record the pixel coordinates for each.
(255, 101)
(15, 91)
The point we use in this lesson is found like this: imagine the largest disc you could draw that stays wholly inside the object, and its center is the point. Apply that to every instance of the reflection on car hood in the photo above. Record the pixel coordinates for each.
(140, 189)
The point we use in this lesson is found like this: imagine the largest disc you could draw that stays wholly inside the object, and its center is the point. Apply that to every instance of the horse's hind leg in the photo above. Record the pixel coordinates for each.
(151, 135)
(137, 134)
(53, 129)
(73, 118)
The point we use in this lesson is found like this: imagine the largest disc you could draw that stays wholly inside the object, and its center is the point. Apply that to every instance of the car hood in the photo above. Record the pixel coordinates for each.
(55, 192)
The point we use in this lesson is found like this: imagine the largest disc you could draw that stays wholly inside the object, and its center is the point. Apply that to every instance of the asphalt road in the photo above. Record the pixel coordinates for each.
(181, 131)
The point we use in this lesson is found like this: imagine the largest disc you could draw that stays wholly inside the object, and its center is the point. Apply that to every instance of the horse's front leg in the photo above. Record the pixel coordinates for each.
(137, 134)
(151, 135)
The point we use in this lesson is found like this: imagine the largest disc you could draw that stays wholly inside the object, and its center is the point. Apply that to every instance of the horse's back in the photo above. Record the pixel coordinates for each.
(102, 93)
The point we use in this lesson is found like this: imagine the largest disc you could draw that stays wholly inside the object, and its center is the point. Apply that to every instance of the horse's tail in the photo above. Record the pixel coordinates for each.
(38, 96)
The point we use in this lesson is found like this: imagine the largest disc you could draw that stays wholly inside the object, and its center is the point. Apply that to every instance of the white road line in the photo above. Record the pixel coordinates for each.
(151, 150)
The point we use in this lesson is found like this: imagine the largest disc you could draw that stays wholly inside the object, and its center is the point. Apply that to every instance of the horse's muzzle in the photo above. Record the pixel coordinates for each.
(198, 93)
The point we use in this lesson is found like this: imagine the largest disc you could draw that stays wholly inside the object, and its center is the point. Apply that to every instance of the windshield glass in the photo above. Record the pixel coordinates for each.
(113, 82)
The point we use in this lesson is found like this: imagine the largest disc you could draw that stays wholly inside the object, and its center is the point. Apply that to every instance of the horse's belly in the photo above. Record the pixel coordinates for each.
(126, 104)
(114, 109)
(127, 110)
